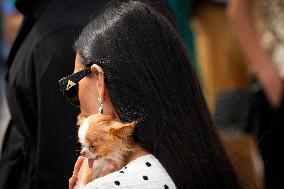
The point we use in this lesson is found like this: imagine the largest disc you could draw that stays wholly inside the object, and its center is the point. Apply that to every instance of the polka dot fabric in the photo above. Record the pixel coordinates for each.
(145, 172)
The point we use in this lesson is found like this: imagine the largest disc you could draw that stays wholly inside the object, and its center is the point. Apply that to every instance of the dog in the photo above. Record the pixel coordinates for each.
(104, 139)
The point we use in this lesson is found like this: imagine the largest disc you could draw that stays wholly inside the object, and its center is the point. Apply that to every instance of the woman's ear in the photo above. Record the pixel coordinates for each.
(101, 82)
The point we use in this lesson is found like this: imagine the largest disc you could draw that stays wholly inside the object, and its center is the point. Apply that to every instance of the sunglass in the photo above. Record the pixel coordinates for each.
(69, 85)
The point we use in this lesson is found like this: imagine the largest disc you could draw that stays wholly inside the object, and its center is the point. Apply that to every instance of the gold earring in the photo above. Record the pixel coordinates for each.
(100, 111)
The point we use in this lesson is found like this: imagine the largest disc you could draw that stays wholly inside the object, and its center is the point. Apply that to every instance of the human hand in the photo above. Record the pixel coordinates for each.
(99, 168)
(74, 178)
(271, 83)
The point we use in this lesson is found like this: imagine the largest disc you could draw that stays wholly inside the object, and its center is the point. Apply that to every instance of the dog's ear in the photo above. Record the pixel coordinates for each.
(122, 131)
(80, 119)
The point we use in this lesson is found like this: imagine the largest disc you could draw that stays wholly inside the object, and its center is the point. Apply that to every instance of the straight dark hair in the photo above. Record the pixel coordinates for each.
(149, 79)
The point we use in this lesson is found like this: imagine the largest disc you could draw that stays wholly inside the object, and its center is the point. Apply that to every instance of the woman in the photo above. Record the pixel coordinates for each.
(145, 76)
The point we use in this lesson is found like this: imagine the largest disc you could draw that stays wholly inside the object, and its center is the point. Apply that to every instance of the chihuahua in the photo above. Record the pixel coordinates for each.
(104, 140)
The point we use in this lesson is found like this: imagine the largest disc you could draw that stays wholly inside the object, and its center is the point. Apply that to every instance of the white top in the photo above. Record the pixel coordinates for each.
(145, 172)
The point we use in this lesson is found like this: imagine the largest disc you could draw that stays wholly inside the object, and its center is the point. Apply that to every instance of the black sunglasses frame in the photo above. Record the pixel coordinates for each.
(69, 85)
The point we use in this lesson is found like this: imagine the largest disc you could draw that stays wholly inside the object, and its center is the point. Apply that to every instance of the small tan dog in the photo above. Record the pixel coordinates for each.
(103, 140)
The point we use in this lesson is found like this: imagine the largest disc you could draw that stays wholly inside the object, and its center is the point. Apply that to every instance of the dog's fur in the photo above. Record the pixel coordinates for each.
(103, 140)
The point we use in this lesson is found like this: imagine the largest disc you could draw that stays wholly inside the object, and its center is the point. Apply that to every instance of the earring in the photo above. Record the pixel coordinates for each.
(100, 111)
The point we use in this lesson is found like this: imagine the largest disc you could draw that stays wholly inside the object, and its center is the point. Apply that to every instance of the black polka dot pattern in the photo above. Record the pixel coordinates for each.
(148, 164)
(145, 177)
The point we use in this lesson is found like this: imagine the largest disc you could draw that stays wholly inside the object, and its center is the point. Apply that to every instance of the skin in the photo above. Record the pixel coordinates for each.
(90, 88)
(240, 15)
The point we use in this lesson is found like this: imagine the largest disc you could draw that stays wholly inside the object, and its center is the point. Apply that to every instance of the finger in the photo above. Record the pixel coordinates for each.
(106, 170)
(72, 181)
(78, 165)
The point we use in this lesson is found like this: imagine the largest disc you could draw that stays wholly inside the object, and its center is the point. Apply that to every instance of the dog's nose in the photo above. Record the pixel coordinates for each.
(83, 152)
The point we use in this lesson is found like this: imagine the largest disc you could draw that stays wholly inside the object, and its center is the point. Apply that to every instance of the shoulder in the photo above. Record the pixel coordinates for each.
(144, 172)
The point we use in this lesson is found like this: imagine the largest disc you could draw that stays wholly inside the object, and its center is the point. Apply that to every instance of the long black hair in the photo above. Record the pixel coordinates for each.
(149, 79)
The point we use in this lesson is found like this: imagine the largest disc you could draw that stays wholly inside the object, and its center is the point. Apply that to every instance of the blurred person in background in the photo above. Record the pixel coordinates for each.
(39, 149)
(259, 27)
(222, 66)
(225, 76)
(1, 52)
(10, 22)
